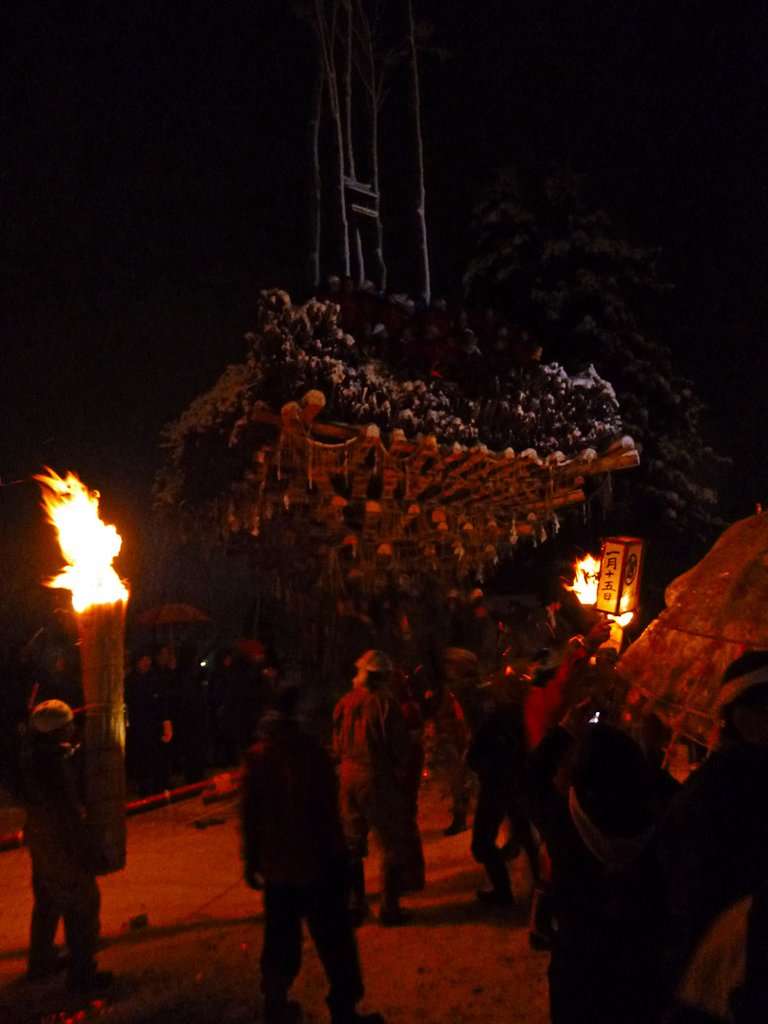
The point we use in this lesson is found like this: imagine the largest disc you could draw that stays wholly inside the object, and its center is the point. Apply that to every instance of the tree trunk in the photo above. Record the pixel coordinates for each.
(326, 34)
(375, 104)
(422, 202)
(317, 181)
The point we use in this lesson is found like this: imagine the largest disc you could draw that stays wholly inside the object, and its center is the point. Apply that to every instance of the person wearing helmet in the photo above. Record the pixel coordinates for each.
(373, 747)
(715, 835)
(57, 836)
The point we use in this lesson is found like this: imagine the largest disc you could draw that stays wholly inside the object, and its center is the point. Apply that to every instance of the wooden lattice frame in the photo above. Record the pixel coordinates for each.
(412, 504)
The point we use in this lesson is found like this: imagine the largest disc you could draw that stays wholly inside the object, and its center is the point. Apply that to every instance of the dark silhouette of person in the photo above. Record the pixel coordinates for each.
(149, 728)
(497, 754)
(725, 981)
(61, 680)
(294, 848)
(191, 733)
(714, 837)
(57, 836)
(595, 800)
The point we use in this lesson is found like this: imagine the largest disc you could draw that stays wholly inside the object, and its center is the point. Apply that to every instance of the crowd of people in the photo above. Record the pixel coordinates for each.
(184, 713)
(649, 893)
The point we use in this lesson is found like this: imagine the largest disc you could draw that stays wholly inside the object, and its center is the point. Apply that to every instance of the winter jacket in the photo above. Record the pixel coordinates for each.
(714, 841)
(369, 731)
(56, 829)
(726, 980)
(290, 817)
(498, 749)
(607, 901)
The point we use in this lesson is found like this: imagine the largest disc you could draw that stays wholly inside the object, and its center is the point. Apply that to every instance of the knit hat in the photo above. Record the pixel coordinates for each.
(50, 715)
(374, 661)
(746, 672)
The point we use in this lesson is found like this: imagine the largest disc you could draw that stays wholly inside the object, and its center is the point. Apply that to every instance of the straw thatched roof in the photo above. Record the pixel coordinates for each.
(715, 612)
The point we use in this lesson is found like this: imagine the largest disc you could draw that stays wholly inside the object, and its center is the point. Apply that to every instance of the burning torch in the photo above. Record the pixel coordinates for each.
(89, 546)
(611, 584)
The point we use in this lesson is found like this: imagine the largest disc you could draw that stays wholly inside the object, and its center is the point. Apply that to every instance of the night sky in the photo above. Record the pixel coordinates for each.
(154, 177)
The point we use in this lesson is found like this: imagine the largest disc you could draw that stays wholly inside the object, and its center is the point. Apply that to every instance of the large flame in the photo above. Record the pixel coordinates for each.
(622, 620)
(586, 573)
(87, 544)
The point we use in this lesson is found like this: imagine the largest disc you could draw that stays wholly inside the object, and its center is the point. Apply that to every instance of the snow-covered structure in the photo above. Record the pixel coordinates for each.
(332, 466)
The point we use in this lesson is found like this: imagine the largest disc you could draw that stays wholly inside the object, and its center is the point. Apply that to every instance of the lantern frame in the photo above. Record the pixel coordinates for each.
(618, 584)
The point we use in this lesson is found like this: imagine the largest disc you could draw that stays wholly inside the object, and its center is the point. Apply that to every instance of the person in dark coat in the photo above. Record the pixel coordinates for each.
(414, 871)
(57, 836)
(190, 716)
(61, 681)
(726, 981)
(714, 837)
(497, 754)
(149, 726)
(251, 689)
(294, 848)
(595, 800)
(221, 681)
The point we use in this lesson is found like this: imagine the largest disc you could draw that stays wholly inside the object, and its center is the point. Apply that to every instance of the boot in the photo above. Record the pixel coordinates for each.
(358, 902)
(458, 824)
(500, 893)
(542, 928)
(391, 913)
(496, 898)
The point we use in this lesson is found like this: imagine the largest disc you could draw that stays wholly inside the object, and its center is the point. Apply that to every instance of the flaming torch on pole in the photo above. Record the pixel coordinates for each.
(98, 598)
(611, 583)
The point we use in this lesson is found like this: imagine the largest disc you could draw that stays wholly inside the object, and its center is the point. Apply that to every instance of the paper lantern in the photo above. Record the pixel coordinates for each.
(618, 585)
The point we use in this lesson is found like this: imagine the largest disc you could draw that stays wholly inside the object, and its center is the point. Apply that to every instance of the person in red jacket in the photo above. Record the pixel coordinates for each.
(294, 849)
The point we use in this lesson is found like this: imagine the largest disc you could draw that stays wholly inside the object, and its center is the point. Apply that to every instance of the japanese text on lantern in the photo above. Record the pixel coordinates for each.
(618, 586)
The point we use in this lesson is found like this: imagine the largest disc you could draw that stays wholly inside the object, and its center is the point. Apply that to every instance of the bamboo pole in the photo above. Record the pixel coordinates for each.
(102, 630)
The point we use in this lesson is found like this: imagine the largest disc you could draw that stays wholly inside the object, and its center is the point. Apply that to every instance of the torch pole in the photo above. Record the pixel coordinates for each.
(102, 631)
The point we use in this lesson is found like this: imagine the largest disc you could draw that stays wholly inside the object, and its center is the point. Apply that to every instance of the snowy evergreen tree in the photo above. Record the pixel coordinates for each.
(560, 271)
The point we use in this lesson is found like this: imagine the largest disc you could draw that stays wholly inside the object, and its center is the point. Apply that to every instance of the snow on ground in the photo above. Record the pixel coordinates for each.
(196, 959)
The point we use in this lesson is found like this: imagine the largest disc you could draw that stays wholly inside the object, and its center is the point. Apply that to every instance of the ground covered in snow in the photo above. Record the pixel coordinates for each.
(182, 932)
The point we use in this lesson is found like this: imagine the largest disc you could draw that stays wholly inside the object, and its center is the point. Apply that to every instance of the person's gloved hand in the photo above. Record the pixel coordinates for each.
(600, 632)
